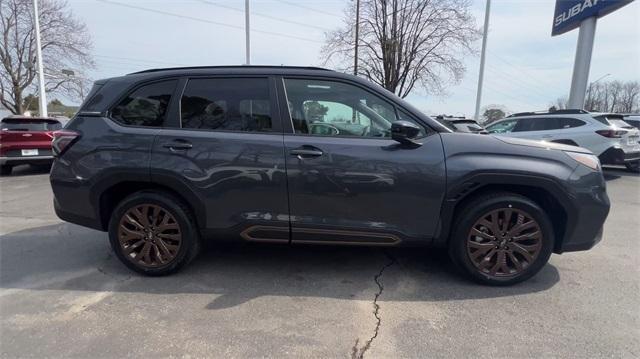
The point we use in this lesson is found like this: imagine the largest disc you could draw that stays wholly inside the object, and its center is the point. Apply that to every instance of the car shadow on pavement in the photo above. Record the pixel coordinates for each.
(613, 173)
(69, 257)
(28, 170)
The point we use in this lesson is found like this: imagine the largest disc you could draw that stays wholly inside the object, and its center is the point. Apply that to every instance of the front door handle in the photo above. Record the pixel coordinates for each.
(306, 151)
(178, 145)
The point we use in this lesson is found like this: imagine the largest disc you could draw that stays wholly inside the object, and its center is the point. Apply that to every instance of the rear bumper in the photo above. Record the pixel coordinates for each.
(25, 159)
(617, 156)
(66, 216)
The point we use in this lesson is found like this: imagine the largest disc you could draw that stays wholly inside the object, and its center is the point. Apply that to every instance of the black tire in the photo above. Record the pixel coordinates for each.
(5, 170)
(633, 166)
(190, 237)
(478, 208)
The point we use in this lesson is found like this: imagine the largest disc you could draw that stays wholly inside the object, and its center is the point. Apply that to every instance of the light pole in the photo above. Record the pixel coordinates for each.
(476, 116)
(247, 33)
(355, 55)
(43, 99)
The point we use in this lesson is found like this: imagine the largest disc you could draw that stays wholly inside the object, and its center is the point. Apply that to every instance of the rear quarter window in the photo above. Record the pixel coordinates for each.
(146, 106)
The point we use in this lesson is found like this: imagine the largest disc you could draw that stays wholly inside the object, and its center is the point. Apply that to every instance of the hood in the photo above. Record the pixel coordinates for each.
(542, 144)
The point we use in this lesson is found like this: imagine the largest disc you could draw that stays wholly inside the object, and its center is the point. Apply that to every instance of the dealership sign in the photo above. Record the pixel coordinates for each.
(569, 13)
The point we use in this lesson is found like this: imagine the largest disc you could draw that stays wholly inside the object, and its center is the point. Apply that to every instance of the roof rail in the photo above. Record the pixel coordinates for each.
(556, 112)
(228, 67)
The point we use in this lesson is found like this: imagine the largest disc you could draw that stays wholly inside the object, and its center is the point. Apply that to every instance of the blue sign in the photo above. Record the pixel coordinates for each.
(569, 13)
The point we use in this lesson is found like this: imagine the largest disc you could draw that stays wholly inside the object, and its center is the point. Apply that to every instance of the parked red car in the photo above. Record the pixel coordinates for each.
(26, 140)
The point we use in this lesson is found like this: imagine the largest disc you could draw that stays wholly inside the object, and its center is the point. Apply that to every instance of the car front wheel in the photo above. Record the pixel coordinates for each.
(153, 233)
(501, 239)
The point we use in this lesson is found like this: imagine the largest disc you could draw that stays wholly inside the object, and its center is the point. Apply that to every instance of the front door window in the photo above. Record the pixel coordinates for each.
(331, 108)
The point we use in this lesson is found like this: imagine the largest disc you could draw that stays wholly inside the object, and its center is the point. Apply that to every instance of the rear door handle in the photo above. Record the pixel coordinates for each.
(178, 145)
(306, 151)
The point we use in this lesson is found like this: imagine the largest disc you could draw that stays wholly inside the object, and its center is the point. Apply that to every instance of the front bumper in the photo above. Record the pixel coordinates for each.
(617, 156)
(588, 206)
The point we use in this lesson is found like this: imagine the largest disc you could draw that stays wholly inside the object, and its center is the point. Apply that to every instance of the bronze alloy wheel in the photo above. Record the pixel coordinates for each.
(504, 242)
(149, 235)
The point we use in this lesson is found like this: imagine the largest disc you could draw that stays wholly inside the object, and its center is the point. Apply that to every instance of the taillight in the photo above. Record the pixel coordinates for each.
(62, 140)
(611, 133)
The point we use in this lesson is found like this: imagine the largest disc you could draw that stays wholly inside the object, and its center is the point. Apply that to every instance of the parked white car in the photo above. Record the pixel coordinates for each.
(614, 141)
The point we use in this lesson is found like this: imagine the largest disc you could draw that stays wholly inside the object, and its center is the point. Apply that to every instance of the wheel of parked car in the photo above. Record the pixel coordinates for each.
(501, 239)
(5, 170)
(153, 233)
(633, 166)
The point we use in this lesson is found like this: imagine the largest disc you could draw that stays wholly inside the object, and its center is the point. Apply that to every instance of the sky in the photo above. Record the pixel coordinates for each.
(526, 68)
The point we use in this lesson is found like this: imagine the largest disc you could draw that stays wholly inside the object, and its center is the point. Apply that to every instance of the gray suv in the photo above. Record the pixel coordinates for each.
(163, 159)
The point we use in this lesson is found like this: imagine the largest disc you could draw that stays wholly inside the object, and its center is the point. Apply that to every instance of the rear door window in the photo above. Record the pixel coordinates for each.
(571, 122)
(502, 127)
(227, 104)
(538, 124)
(526, 124)
(146, 106)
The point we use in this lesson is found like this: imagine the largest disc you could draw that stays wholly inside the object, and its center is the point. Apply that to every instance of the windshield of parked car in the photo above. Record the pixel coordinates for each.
(11, 124)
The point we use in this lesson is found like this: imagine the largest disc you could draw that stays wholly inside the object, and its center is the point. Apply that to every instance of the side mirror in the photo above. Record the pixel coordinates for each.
(405, 132)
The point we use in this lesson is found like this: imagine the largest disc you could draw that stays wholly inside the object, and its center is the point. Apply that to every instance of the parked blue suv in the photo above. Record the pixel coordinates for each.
(163, 159)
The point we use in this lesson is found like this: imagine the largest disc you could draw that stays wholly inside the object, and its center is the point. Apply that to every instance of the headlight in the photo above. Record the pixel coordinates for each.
(586, 159)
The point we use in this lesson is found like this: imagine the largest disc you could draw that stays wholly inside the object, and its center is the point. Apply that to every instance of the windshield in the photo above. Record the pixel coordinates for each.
(9, 124)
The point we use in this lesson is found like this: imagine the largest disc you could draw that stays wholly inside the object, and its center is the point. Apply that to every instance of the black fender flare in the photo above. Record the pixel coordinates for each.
(477, 182)
(170, 182)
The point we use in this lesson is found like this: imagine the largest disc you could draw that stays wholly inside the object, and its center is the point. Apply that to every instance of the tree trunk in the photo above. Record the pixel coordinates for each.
(17, 97)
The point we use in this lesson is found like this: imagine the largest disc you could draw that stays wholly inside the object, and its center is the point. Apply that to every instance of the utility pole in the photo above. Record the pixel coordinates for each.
(355, 56)
(247, 33)
(43, 99)
(580, 77)
(476, 116)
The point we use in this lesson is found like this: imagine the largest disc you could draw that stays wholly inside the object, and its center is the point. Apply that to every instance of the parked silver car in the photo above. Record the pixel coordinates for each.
(607, 135)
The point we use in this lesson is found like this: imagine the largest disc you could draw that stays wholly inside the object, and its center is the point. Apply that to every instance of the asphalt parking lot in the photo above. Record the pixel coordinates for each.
(63, 294)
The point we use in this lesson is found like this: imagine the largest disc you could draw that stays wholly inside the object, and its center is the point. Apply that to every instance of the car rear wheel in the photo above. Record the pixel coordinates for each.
(501, 239)
(153, 233)
(5, 170)
(633, 166)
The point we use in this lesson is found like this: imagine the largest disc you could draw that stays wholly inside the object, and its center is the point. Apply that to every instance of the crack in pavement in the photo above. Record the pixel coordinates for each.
(358, 353)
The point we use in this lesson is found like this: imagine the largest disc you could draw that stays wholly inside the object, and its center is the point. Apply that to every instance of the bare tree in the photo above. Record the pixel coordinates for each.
(66, 44)
(560, 103)
(406, 43)
(630, 98)
(612, 96)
